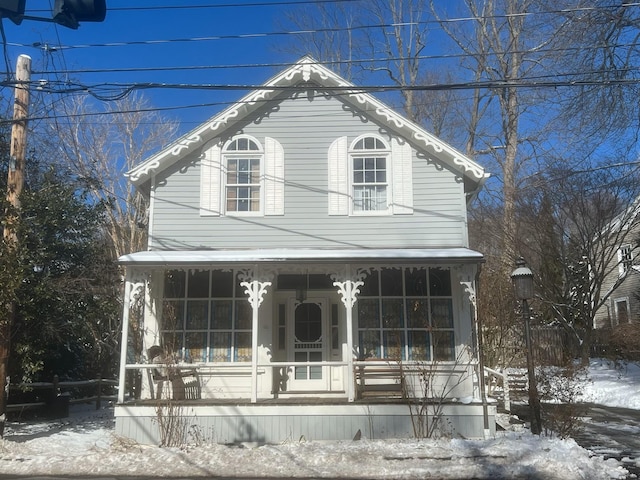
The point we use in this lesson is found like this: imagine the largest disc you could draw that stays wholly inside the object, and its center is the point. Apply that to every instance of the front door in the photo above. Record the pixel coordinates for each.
(308, 344)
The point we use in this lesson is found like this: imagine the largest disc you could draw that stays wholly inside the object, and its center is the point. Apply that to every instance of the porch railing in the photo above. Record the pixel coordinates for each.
(280, 371)
(370, 377)
(500, 378)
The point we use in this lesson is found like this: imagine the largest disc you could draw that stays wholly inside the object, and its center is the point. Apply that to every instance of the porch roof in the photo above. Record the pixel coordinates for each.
(374, 255)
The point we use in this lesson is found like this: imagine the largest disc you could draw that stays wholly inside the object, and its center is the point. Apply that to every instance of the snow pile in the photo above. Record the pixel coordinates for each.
(84, 444)
(611, 384)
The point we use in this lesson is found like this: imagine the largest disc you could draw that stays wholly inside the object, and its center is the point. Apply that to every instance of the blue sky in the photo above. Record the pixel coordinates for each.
(164, 27)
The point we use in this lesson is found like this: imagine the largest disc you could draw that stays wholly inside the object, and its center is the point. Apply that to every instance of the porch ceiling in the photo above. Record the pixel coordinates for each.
(375, 255)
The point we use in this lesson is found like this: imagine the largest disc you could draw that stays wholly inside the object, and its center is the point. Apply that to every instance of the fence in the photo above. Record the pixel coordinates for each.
(552, 345)
(54, 397)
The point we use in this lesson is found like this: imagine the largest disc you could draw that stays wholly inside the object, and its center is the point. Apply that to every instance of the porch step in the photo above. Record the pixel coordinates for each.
(518, 385)
(387, 390)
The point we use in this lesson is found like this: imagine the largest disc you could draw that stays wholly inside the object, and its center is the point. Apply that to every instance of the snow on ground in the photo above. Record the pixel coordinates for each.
(84, 444)
(614, 387)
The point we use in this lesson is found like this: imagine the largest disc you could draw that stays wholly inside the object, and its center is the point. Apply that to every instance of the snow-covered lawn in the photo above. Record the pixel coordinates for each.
(613, 387)
(84, 444)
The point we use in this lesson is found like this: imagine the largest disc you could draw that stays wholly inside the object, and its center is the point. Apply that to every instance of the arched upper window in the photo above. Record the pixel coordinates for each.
(244, 176)
(243, 144)
(369, 157)
(243, 158)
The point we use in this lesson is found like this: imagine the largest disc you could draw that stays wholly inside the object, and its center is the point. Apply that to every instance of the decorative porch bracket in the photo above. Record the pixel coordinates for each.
(256, 291)
(470, 288)
(348, 290)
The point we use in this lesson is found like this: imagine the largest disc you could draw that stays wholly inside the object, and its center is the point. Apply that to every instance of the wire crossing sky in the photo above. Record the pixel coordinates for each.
(193, 59)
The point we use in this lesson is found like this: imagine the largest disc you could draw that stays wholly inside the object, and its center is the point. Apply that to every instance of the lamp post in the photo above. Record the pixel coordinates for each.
(522, 279)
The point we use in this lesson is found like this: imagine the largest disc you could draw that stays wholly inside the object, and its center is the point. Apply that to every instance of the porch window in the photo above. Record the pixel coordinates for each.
(406, 314)
(206, 316)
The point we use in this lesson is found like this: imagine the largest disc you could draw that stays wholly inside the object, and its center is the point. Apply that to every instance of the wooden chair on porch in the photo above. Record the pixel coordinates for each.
(157, 376)
(185, 383)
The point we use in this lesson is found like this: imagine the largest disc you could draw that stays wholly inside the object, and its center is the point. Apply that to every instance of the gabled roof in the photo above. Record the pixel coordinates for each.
(308, 70)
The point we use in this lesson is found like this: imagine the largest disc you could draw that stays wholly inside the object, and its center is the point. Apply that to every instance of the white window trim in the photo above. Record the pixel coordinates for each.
(213, 184)
(625, 265)
(386, 153)
(616, 302)
(399, 178)
(243, 154)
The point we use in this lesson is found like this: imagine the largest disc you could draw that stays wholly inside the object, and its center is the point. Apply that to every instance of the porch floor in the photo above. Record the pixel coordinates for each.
(302, 401)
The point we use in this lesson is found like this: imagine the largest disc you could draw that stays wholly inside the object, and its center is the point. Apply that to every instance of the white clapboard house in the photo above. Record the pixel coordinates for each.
(307, 275)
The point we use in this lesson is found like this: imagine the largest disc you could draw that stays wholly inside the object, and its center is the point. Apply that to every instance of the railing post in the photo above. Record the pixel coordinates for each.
(55, 386)
(505, 387)
(99, 394)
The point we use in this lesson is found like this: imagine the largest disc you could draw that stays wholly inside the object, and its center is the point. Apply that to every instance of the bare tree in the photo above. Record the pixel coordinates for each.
(502, 44)
(329, 31)
(575, 227)
(101, 146)
(379, 36)
(402, 40)
(601, 61)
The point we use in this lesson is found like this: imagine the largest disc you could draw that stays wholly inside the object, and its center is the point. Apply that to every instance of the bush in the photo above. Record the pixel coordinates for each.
(625, 341)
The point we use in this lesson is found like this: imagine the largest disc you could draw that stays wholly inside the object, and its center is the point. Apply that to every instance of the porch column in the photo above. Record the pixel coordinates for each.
(469, 283)
(348, 291)
(256, 290)
(131, 289)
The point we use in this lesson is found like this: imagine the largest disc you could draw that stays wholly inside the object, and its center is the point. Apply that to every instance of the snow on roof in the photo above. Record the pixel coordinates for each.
(379, 255)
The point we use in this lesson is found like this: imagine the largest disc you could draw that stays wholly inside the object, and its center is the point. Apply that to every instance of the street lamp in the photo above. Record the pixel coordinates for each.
(522, 279)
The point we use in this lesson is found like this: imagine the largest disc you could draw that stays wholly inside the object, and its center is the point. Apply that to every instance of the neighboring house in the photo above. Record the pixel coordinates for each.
(308, 266)
(622, 284)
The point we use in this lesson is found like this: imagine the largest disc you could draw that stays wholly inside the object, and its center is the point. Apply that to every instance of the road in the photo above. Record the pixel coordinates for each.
(612, 432)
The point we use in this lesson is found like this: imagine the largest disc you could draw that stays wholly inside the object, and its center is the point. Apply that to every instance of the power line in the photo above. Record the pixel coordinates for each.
(327, 63)
(539, 82)
(114, 91)
(335, 91)
(562, 11)
(253, 35)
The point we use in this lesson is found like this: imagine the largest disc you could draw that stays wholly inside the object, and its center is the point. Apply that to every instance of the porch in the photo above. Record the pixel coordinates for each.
(302, 339)
(387, 404)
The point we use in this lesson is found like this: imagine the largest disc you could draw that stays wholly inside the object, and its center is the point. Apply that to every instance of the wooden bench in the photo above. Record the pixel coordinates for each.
(381, 379)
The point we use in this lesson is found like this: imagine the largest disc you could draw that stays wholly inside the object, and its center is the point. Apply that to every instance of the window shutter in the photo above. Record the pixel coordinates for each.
(210, 178)
(339, 197)
(620, 264)
(273, 177)
(402, 178)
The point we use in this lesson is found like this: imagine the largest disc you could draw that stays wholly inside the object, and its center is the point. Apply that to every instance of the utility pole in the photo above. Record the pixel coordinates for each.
(18, 150)
(15, 183)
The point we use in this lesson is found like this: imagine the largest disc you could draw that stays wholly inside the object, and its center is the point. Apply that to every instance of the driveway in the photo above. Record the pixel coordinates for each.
(608, 431)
